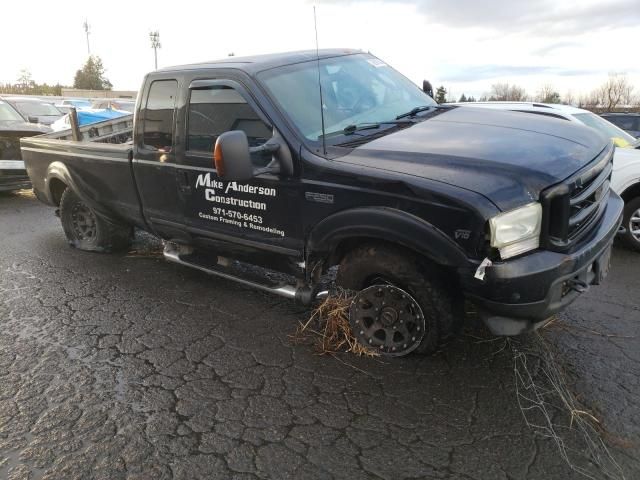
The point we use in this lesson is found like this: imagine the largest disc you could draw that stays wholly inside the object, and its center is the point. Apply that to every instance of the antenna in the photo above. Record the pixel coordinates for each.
(324, 141)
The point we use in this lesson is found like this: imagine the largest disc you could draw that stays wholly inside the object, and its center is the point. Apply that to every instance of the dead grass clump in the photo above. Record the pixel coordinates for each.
(329, 330)
(543, 392)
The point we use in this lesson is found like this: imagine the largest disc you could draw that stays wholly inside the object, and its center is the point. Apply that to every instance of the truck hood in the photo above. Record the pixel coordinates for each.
(509, 157)
(23, 127)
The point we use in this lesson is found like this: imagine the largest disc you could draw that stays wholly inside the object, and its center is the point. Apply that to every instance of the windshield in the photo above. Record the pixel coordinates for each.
(37, 109)
(8, 114)
(356, 89)
(619, 137)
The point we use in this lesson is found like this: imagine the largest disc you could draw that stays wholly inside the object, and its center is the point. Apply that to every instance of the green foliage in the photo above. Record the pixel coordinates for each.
(27, 86)
(463, 98)
(441, 94)
(91, 76)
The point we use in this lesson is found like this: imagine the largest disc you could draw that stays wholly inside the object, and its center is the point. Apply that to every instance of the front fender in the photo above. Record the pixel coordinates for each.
(386, 224)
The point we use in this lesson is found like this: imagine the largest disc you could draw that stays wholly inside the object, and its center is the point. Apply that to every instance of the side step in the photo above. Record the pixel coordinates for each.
(305, 294)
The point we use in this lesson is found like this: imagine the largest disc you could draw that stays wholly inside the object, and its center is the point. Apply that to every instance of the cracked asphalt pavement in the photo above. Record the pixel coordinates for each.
(126, 366)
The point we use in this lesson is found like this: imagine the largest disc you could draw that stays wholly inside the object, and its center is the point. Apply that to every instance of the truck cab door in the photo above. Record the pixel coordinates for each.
(256, 221)
(154, 160)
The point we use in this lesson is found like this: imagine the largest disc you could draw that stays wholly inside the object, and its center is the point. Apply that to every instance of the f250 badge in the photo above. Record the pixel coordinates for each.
(319, 197)
(463, 234)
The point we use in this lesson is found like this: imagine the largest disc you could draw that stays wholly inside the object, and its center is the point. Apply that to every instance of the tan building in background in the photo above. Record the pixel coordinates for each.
(76, 92)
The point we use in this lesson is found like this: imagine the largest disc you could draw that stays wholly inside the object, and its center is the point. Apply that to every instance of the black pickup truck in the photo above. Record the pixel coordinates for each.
(303, 161)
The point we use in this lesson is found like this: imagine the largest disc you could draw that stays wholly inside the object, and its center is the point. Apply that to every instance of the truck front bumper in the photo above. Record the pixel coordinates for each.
(13, 175)
(519, 295)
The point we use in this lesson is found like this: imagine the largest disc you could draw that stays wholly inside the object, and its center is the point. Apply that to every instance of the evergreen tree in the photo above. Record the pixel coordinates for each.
(463, 98)
(91, 76)
(441, 94)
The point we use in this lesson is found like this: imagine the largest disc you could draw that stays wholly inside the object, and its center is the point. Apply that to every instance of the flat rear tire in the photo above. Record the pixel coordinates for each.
(86, 230)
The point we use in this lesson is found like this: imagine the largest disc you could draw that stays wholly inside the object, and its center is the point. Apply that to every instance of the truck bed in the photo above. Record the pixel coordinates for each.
(97, 167)
(117, 130)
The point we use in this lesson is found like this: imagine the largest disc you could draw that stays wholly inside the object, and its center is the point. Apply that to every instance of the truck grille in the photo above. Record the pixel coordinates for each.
(571, 209)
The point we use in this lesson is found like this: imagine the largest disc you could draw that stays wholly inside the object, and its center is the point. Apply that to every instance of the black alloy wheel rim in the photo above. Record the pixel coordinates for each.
(387, 319)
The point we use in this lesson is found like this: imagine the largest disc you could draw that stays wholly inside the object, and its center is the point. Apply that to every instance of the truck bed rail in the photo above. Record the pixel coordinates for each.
(116, 130)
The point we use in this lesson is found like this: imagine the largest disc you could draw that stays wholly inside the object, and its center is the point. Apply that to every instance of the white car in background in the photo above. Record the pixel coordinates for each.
(625, 179)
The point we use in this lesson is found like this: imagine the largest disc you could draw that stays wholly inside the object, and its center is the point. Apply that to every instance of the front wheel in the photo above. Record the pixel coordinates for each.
(402, 304)
(631, 223)
(86, 230)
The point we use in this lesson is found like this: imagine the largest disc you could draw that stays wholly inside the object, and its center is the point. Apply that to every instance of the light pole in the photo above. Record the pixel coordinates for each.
(155, 44)
(86, 30)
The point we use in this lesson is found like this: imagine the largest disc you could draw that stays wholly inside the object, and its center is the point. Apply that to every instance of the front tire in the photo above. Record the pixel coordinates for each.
(85, 230)
(631, 223)
(385, 265)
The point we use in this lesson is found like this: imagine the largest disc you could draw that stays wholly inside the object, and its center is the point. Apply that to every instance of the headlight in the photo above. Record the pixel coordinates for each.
(517, 231)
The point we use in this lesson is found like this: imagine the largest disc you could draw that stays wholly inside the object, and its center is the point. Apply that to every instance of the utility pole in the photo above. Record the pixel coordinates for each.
(155, 44)
(86, 31)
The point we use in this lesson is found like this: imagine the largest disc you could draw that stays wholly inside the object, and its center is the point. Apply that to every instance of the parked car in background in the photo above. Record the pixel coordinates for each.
(629, 122)
(114, 104)
(76, 102)
(34, 110)
(65, 105)
(625, 178)
(13, 175)
(88, 116)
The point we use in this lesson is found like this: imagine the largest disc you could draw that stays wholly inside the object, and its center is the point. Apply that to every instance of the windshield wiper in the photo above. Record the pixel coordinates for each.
(353, 128)
(414, 111)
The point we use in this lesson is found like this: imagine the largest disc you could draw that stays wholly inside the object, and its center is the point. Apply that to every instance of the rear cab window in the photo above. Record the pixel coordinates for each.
(158, 115)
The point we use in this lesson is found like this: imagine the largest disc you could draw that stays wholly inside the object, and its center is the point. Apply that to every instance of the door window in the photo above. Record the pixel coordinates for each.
(219, 109)
(158, 115)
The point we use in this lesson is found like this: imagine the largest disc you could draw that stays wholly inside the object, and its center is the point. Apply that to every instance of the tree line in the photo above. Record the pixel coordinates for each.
(615, 93)
(91, 76)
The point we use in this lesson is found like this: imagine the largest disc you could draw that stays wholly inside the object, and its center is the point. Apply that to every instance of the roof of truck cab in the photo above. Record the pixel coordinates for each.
(257, 63)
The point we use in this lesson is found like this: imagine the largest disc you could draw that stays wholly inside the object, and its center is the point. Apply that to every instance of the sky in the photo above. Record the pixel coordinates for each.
(465, 45)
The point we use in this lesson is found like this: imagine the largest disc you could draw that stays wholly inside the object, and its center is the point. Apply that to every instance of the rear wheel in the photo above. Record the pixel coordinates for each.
(402, 304)
(86, 230)
(631, 223)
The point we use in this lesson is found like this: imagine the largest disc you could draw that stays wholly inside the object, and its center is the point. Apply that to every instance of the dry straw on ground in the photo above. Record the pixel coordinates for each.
(329, 330)
(543, 391)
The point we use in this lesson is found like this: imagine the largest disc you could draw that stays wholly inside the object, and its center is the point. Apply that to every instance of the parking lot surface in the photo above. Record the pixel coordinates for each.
(126, 366)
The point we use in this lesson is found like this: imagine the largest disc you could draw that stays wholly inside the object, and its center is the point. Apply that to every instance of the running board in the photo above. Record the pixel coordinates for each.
(304, 295)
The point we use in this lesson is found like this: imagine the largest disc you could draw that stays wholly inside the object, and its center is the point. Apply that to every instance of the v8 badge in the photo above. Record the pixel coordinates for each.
(462, 234)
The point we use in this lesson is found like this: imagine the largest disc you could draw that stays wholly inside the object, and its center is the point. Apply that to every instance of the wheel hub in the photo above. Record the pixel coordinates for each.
(388, 316)
(387, 319)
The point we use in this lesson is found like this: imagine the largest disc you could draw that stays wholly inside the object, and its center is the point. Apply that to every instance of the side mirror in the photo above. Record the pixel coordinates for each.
(232, 157)
(427, 88)
(33, 119)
